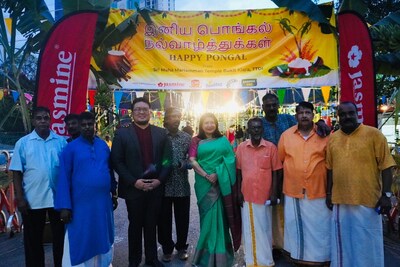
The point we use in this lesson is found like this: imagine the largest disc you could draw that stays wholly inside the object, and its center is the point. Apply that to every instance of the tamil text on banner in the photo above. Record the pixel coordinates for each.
(64, 64)
(223, 49)
(357, 77)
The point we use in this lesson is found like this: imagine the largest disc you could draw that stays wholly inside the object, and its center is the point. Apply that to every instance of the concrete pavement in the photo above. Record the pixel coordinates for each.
(12, 251)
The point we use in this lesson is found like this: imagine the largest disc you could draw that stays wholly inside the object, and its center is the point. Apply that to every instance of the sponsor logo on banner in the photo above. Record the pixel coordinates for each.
(232, 83)
(195, 83)
(249, 82)
(212, 84)
(356, 76)
(168, 84)
(144, 84)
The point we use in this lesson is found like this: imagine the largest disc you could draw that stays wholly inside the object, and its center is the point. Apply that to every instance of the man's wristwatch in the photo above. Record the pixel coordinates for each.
(388, 194)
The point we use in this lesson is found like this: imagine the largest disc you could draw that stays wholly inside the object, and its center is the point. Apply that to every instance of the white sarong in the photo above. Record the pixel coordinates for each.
(357, 237)
(257, 234)
(307, 229)
(102, 260)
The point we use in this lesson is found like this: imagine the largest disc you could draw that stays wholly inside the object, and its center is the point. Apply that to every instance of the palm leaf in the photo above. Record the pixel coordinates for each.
(388, 63)
(305, 28)
(360, 6)
(79, 5)
(306, 6)
(386, 33)
(32, 18)
(392, 18)
(101, 6)
(113, 35)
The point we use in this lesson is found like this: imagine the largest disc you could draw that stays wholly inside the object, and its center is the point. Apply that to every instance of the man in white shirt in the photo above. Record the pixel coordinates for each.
(35, 169)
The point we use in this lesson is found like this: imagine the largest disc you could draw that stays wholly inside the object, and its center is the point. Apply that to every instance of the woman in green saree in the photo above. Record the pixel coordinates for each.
(213, 160)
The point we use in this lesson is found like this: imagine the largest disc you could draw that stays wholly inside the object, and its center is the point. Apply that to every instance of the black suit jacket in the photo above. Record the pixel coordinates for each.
(127, 159)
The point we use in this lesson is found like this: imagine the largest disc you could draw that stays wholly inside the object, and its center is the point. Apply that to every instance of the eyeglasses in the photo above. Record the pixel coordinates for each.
(139, 110)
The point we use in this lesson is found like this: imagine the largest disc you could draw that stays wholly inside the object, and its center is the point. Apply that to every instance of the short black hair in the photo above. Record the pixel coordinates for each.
(348, 102)
(168, 112)
(40, 109)
(140, 99)
(86, 115)
(270, 96)
(71, 117)
(305, 104)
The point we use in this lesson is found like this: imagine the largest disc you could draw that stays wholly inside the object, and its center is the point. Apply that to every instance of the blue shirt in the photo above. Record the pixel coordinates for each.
(84, 187)
(274, 130)
(38, 160)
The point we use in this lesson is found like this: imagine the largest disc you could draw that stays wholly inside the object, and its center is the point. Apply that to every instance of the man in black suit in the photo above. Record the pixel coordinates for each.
(141, 155)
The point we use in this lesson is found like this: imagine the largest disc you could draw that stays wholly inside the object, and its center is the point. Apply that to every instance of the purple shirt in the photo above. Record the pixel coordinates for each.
(146, 144)
(193, 147)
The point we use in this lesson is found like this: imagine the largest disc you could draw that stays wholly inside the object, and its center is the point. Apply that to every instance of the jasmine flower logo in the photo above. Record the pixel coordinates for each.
(354, 56)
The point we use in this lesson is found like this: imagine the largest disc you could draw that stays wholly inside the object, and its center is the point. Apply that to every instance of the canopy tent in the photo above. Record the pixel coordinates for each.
(160, 100)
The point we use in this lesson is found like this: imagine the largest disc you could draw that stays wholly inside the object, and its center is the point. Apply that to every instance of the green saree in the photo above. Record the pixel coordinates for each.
(214, 248)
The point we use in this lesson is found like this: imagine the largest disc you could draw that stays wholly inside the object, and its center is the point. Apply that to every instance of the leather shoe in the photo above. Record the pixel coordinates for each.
(155, 263)
(166, 257)
(134, 265)
(183, 255)
(276, 254)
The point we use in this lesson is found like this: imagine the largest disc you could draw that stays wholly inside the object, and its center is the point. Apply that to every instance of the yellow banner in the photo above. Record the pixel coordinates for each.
(223, 49)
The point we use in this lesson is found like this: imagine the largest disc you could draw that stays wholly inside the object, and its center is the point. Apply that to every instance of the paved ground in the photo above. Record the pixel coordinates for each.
(12, 251)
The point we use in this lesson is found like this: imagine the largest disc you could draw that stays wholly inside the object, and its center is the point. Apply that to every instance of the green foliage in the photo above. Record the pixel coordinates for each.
(13, 123)
(386, 38)
(31, 18)
(360, 6)
(386, 84)
(386, 42)
(104, 96)
(385, 32)
(102, 7)
(113, 35)
(379, 9)
(27, 75)
(312, 10)
(76, 5)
